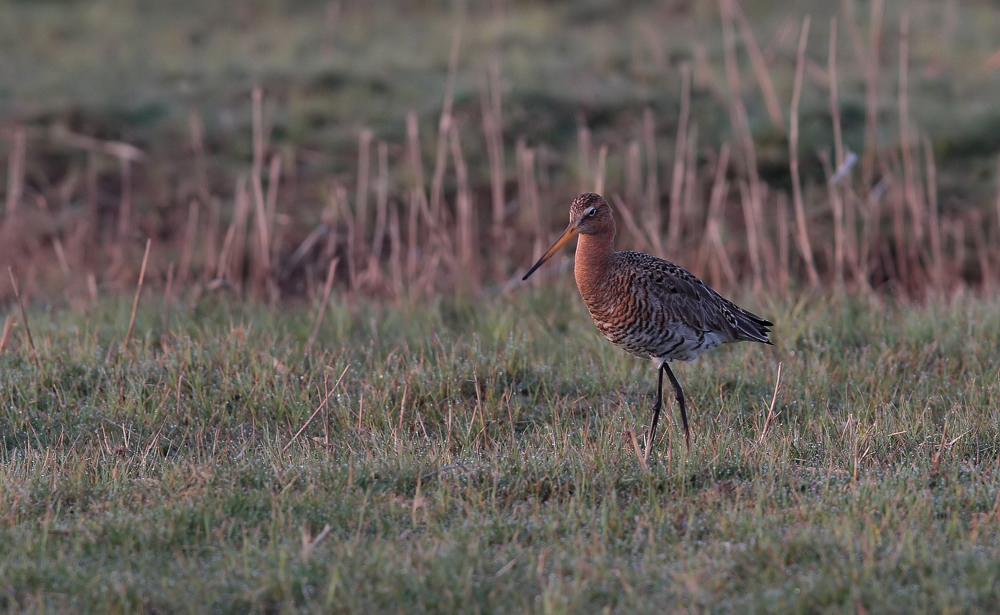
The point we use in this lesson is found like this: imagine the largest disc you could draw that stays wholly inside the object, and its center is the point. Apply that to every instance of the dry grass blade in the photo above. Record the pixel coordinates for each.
(138, 292)
(24, 316)
(318, 409)
(8, 326)
(639, 454)
(770, 410)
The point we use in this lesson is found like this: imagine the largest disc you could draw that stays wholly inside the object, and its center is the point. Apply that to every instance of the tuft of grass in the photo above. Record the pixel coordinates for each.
(476, 457)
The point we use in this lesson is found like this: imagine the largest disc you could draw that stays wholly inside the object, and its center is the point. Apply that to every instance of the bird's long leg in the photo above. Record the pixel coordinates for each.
(656, 413)
(680, 400)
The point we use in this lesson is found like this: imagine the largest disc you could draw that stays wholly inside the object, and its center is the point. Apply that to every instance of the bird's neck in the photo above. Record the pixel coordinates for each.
(593, 258)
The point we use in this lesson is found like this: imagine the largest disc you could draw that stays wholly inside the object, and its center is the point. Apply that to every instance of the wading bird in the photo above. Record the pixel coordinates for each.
(648, 306)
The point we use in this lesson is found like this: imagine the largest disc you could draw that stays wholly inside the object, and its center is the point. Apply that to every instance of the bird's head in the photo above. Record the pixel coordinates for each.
(589, 214)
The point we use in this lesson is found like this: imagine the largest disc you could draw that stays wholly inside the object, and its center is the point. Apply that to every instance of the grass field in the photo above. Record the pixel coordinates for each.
(336, 396)
(477, 458)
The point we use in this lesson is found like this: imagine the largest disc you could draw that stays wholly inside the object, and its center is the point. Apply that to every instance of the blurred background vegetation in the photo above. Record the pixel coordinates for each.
(143, 110)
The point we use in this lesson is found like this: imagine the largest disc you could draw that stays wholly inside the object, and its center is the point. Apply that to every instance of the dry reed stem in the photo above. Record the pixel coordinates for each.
(8, 326)
(692, 191)
(125, 199)
(381, 199)
(633, 175)
(979, 237)
(793, 160)
(996, 240)
(934, 218)
(395, 252)
(465, 215)
(197, 129)
(57, 247)
(222, 267)
(16, 169)
(24, 318)
(259, 136)
(719, 189)
(210, 238)
(914, 197)
(653, 214)
(528, 192)
(92, 286)
(168, 291)
(417, 196)
(958, 239)
(752, 221)
(837, 208)
(729, 50)
(759, 65)
(584, 143)
(602, 163)
(361, 190)
(339, 204)
(676, 218)
(260, 254)
(739, 118)
(836, 194)
(138, 292)
(897, 205)
(444, 126)
(869, 60)
(235, 243)
(630, 223)
(274, 179)
(190, 239)
(493, 132)
(327, 288)
(784, 275)
(93, 214)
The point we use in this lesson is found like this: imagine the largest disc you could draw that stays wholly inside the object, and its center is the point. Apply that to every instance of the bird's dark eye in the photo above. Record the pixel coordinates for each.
(591, 212)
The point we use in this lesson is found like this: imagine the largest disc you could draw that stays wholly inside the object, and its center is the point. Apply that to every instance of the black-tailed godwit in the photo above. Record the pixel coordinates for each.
(648, 306)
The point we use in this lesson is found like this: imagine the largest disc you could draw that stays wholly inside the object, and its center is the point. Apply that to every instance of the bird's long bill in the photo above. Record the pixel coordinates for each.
(570, 232)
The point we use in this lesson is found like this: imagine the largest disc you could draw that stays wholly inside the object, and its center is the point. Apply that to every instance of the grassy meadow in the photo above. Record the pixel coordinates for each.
(264, 347)
(458, 458)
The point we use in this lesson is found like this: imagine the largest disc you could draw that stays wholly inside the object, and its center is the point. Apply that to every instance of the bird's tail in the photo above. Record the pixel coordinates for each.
(752, 327)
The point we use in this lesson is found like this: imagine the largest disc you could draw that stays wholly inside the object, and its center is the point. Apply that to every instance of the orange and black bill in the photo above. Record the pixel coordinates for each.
(570, 232)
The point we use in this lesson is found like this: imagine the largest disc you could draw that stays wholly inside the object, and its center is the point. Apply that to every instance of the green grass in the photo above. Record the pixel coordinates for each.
(475, 459)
